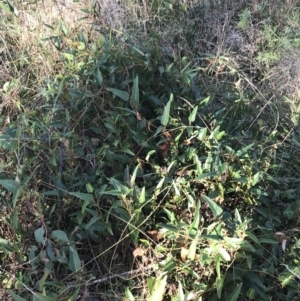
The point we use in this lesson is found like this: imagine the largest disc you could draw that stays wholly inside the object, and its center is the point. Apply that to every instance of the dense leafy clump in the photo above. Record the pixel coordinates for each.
(149, 152)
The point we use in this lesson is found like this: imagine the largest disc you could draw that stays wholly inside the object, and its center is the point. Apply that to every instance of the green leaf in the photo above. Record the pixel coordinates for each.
(4, 7)
(202, 134)
(195, 225)
(245, 245)
(129, 295)
(254, 279)
(41, 282)
(244, 150)
(238, 216)
(15, 296)
(135, 99)
(8, 142)
(91, 222)
(99, 77)
(159, 288)
(113, 192)
(133, 176)
(192, 116)
(235, 294)
(257, 177)
(60, 235)
(4, 245)
(41, 297)
(83, 196)
(219, 286)
(216, 209)
(224, 254)
(192, 249)
(62, 189)
(16, 195)
(10, 185)
(122, 94)
(75, 263)
(50, 251)
(166, 114)
(13, 8)
(70, 57)
(142, 196)
(39, 235)
(218, 267)
(180, 293)
(264, 240)
(89, 188)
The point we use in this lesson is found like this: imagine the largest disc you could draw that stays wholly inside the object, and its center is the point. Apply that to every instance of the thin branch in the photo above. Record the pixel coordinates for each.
(122, 275)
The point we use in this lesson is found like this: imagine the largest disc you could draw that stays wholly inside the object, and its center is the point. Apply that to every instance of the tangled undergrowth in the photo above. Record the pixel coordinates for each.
(150, 151)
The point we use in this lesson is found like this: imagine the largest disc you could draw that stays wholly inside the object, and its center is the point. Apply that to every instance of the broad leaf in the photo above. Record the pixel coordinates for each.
(74, 262)
(224, 254)
(10, 185)
(214, 207)
(60, 235)
(39, 235)
(159, 288)
(122, 94)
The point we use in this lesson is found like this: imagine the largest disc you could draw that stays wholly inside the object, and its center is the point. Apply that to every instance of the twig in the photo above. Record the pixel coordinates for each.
(121, 275)
(287, 267)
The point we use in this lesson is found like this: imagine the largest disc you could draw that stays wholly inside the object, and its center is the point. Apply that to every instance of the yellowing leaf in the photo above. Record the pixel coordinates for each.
(183, 254)
(192, 249)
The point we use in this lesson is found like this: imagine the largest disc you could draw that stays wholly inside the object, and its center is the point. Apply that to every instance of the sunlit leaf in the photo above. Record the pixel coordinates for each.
(166, 114)
(4, 7)
(180, 294)
(142, 197)
(195, 224)
(192, 116)
(159, 288)
(224, 254)
(202, 134)
(129, 295)
(244, 150)
(193, 249)
(214, 207)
